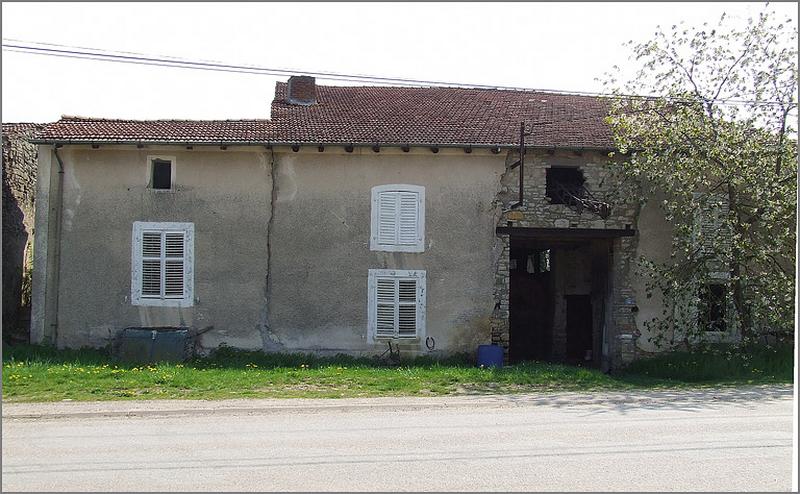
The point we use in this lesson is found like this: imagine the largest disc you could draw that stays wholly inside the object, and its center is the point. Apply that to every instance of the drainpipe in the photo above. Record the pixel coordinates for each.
(57, 251)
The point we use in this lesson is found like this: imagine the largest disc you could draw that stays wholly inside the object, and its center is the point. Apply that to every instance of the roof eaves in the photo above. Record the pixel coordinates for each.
(147, 141)
(56, 141)
(432, 144)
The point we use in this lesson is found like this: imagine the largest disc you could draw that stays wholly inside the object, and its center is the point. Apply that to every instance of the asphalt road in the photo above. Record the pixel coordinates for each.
(721, 440)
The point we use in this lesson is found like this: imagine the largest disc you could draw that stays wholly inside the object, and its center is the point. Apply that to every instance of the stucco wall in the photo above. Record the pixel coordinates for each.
(655, 244)
(321, 254)
(317, 299)
(226, 194)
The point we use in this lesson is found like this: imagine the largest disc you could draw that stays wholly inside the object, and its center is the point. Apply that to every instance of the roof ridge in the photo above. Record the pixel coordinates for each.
(78, 118)
(500, 89)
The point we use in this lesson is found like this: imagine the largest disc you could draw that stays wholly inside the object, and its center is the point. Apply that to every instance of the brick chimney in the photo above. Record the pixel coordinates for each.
(302, 90)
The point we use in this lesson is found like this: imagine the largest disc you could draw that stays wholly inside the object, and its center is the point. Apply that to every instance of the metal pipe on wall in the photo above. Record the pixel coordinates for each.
(57, 251)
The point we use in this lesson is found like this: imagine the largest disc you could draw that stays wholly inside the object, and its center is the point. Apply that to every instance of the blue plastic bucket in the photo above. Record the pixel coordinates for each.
(490, 356)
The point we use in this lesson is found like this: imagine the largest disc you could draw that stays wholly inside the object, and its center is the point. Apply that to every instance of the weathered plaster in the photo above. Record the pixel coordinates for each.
(655, 243)
(221, 192)
(314, 298)
(321, 254)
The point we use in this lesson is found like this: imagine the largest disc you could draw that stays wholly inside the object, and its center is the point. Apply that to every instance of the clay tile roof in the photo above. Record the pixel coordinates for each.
(188, 131)
(382, 115)
(442, 116)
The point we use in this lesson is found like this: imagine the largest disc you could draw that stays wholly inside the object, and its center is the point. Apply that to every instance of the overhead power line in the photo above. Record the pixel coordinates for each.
(103, 55)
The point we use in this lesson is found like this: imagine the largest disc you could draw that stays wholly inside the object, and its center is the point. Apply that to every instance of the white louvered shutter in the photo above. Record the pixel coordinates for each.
(398, 218)
(174, 243)
(397, 303)
(385, 310)
(407, 308)
(387, 218)
(163, 261)
(151, 264)
(408, 218)
(162, 264)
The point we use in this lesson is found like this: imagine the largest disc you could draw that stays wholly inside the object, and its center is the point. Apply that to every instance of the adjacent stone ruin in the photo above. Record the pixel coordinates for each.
(19, 187)
(538, 211)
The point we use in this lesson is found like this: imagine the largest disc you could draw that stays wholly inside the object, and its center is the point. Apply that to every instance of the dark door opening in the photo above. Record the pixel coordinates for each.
(531, 296)
(579, 327)
(557, 300)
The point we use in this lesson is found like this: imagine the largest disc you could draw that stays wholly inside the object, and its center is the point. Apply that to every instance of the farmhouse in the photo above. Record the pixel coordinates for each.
(437, 219)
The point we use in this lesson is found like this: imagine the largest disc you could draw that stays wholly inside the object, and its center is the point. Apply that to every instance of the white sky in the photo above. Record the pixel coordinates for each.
(561, 46)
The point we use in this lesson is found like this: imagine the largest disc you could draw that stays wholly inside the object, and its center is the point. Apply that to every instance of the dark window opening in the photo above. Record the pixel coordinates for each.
(712, 307)
(562, 183)
(162, 174)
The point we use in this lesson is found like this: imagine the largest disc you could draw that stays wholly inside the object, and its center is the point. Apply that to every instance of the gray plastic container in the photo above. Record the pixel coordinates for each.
(150, 345)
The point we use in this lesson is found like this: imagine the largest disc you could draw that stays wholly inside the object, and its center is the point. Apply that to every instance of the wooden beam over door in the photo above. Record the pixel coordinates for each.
(564, 233)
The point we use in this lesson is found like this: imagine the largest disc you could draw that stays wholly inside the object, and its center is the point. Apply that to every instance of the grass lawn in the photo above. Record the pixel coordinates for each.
(36, 373)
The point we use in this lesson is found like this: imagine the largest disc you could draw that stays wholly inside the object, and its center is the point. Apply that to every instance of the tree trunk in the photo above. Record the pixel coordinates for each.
(740, 302)
(739, 298)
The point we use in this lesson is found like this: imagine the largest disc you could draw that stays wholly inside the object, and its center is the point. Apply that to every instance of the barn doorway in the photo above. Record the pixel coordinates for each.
(579, 327)
(559, 298)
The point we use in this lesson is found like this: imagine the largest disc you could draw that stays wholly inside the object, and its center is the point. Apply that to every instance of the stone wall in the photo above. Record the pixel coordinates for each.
(19, 186)
(500, 316)
(537, 211)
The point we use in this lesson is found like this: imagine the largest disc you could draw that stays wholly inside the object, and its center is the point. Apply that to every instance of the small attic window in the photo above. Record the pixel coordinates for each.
(161, 173)
(561, 182)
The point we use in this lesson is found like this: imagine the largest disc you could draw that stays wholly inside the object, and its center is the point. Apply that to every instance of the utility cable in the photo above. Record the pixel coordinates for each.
(86, 53)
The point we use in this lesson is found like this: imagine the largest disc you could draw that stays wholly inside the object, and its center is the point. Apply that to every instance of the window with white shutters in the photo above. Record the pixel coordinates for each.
(162, 261)
(711, 235)
(396, 304)
(398, 218)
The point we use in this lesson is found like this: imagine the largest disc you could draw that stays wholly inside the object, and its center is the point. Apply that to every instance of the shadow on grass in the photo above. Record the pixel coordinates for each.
(598, 402)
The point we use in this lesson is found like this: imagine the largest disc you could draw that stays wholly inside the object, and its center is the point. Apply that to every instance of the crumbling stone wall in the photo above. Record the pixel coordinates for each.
(502, 281)
(19, 187)
(538, 212)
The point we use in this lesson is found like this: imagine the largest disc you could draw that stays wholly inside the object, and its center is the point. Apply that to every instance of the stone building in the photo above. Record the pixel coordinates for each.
(19, 186)
(355, 217)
